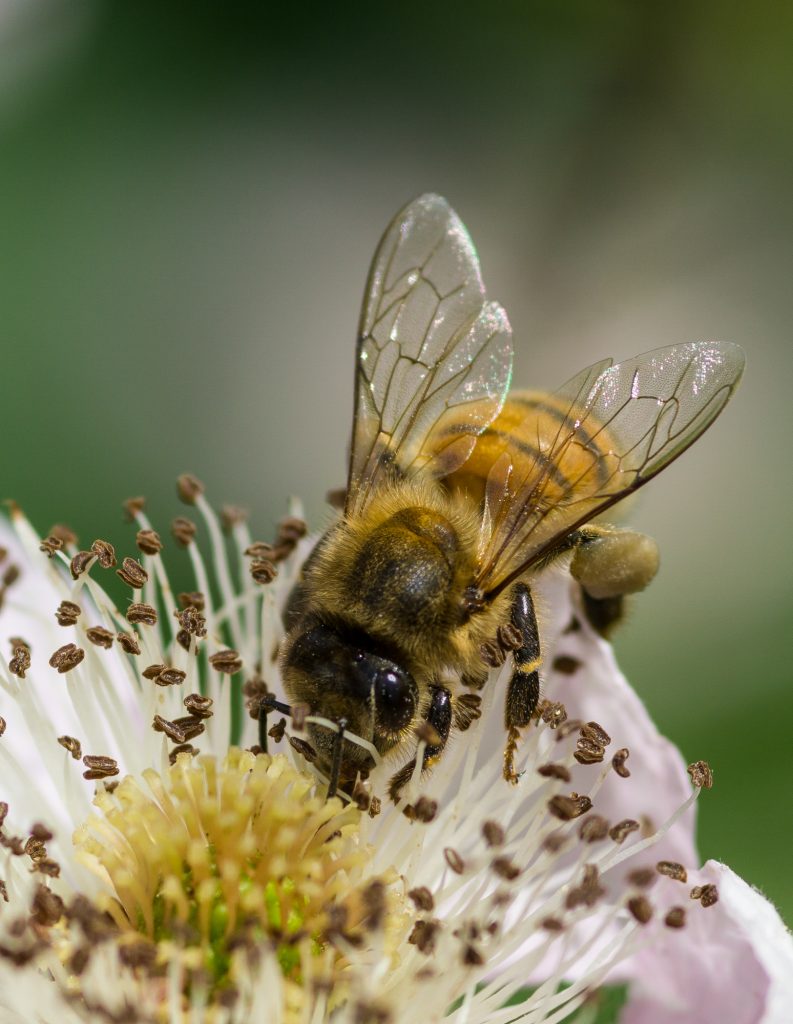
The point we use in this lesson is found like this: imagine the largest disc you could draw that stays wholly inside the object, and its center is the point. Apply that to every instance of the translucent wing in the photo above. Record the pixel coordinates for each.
(432, 353)
(604, 434)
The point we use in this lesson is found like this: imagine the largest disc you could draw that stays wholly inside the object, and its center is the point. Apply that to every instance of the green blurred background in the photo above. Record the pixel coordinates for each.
(190, 195)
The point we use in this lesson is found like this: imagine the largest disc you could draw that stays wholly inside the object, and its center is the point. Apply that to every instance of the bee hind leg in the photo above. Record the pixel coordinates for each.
(434, 731)
(523, 693)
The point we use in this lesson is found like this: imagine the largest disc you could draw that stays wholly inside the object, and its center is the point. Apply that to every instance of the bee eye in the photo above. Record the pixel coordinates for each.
(396, 697)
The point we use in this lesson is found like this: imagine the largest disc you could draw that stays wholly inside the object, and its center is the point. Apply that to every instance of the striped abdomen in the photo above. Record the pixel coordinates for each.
(535, 429)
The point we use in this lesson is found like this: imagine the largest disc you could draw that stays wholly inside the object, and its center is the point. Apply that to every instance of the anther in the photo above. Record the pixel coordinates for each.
(588, 752)
(424, 935)
(3, 725)
(100, 637)
(199, 705)
(706, 894)
(618, 763)
(423, 899)
(67, 657)
(641, 908)
(67, 613)
(183, 531)
(593, 828)
(554, 714)
(226, 661)
(20, 661)
(189, 487)
(128, 642)
(50, 545)
(105, 553)
(472, 957)
(99, 766)
(509, 637)
(552, 924)
(505, 868)
(170, 677)
(303, 748)
(595, 733)
(80, 563)
(454, 860)
(492, 654)
(192, 599)
(671, 869)
(72, 745)
(133, 507)
(171, 729)
(467, 709)
(182, 748)
(263, 571)
(142, 613)
(567, 728)
(565, 664)
(424, 810)
(148, 542)
(642, 878)
(375, 806)
(231, 516)
(291, 530)
(47, 907)
(555, 771)
(493, 833)
(620, 832)
(589, 892)
(132, 573)
(3, 812)
(10, 576)
(259, 549)
(65, 534)
(676, 918)
(568, 807)
(701, 774)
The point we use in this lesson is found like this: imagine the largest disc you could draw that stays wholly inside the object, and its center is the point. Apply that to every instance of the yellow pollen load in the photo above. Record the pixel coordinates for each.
(217, 855)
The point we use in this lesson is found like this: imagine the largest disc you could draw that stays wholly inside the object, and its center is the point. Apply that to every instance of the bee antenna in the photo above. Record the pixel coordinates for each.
(335, 764)
(267, 704)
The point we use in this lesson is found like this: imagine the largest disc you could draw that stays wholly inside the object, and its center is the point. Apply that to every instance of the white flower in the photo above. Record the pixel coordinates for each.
(215, 883)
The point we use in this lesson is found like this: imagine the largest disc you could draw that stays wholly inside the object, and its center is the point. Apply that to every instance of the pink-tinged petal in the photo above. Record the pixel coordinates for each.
(591, 686)
(731, 964)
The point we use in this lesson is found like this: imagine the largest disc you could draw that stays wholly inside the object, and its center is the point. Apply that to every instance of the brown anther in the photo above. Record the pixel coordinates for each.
(142, 613)
(192, 621)
(701, 775)
(454, 860)
(492, 654)
(374, 901)
(184, 640)
(11, 575)
(170, 677)
(133, 507)
(260, 550)
(672, 869)
(39, 831)
(49, 867)
(593, 828)
(152, 671)
(589, 892)
(620, 832)
(595, 733)
(276, 732)
(182, 748)
(554, 714)
(80, 563)
(676, 918)
(303, 748)
(568, 727)
(231, 516)
(105, 553)
(375, 806)
(100, 637)
(568, 807)
(467, 710)
(493, 833)
(587, 752)
(171, 729)
(183, 531)
(226, 661)
(641, 908)
(424, 810)
(192, 599)
(132, 573)
(65, 534)
(68, 612)
(46, 907)
(424, 935)
(20, 660)
(505, 868)
(188, 487)
(618, 763)
(35, 849)
(291, 530)
(3, 725)
(128, 642)
(99, 766)
(565, 664)
(198, 705)
(148, 542)
(555, 771)
(472, 957)
(509, 637)
(67, 657)
(642, 878)
(552, 924)
(706, 894)
(50, 545)
(263, 571)
(423, 899)
(72, 745)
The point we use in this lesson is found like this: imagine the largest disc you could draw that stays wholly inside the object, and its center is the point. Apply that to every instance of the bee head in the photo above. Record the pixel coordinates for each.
(344, 674)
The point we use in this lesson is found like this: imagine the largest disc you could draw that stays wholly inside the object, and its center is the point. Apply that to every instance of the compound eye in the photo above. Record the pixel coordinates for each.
(396, 698)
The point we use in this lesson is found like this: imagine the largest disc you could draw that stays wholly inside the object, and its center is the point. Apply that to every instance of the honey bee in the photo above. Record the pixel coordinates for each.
(459, 494)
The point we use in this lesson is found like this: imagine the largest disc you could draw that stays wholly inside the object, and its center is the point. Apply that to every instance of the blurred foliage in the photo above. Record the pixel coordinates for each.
(190, 194)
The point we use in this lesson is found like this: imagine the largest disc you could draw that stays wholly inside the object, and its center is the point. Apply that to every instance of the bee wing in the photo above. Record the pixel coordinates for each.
(618, 426)
(432, 353)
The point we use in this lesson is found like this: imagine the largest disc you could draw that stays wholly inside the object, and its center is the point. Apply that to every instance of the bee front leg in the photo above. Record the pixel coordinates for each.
(435, 731)
(523, 694)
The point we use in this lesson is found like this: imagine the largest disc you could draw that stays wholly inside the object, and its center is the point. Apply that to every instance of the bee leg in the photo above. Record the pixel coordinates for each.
(434, 730)
(610, 563)
(523, 694)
